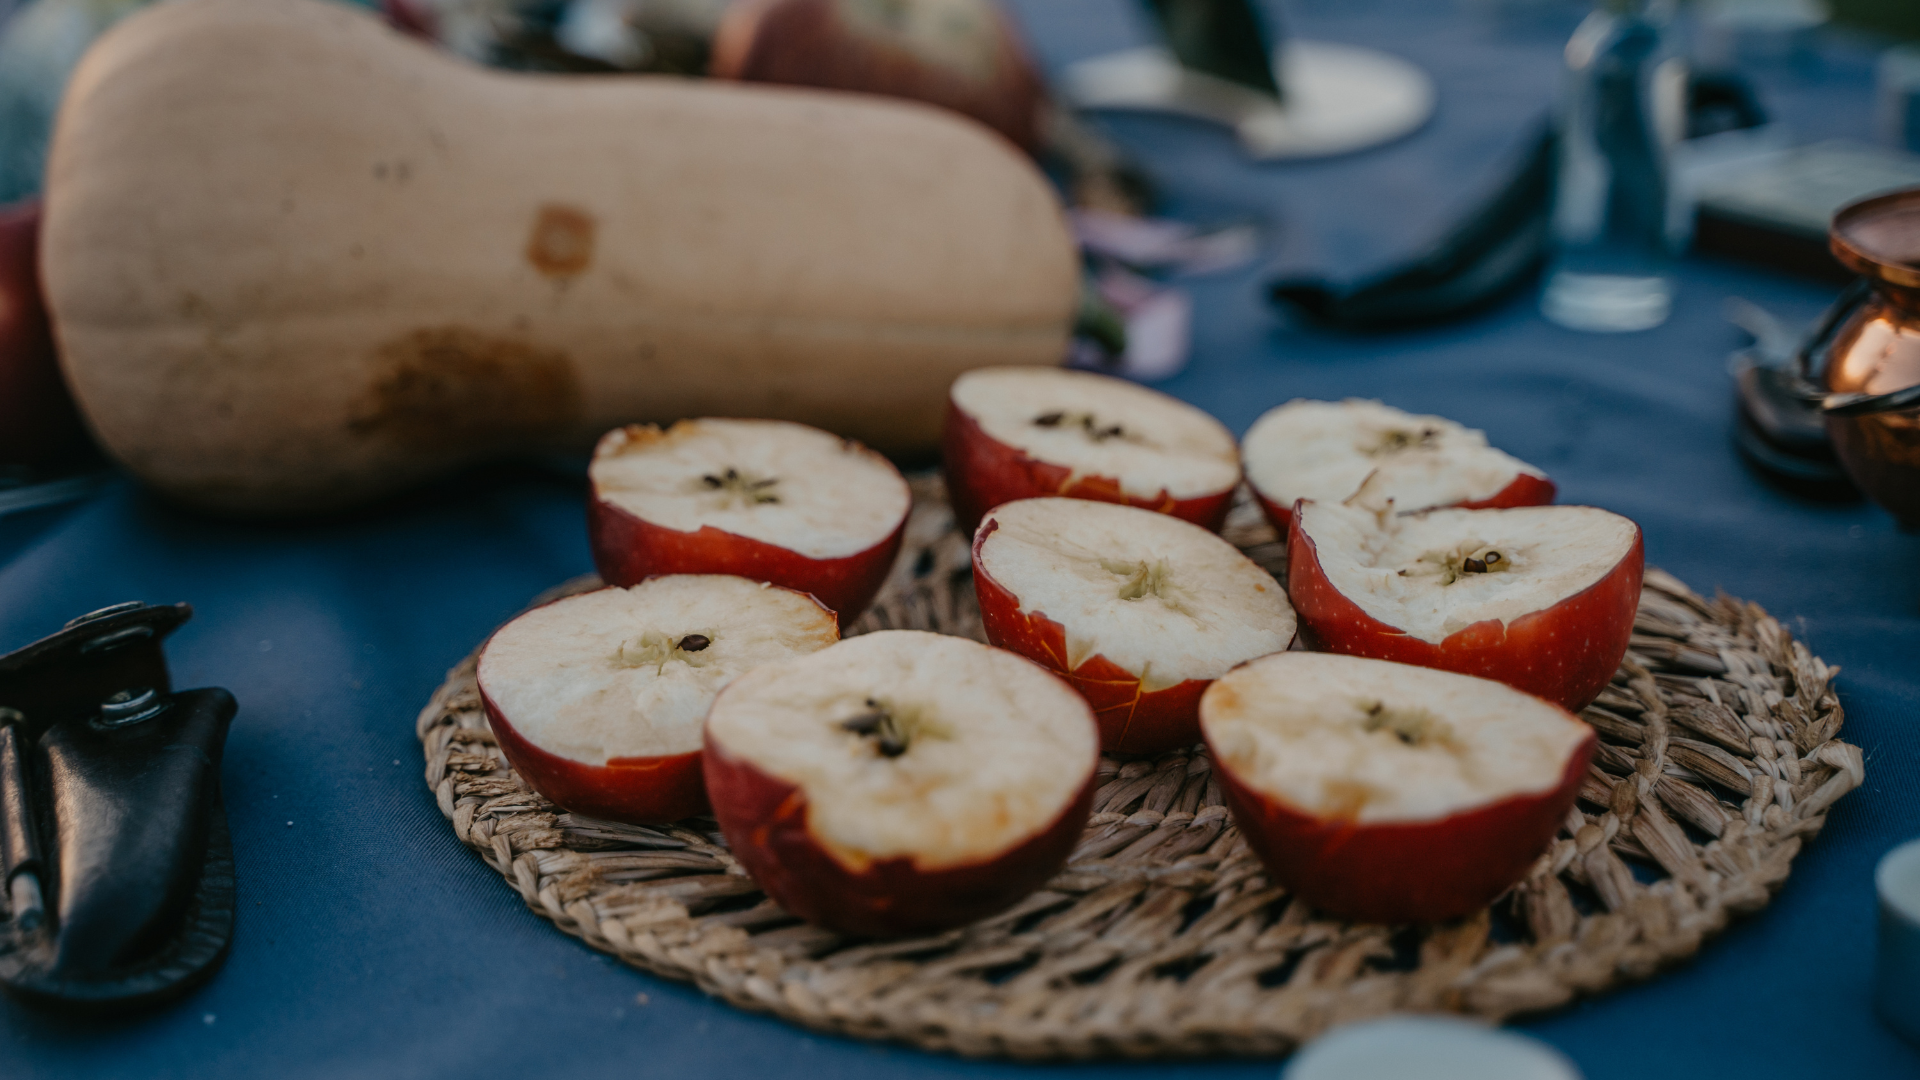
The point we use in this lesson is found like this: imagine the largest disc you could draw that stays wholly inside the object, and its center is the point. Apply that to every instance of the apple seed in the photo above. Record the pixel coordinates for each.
(1413, 726)
(1399, 440)
(656, 650)
(736, 485)
(877, 723)
(1451, 567)
(891, 729)
(1491, 561)
(1085, 422)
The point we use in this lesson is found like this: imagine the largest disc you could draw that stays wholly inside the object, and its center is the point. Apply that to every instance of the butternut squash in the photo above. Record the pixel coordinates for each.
(295, 260)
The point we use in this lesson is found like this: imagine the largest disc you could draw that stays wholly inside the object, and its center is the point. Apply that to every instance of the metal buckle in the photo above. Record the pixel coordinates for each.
(115, 867)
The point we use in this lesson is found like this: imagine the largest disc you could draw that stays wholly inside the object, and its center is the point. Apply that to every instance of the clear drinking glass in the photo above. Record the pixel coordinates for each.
(1622, 109)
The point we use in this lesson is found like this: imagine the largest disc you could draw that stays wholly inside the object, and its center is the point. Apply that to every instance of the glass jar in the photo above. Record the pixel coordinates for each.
(1622, 109)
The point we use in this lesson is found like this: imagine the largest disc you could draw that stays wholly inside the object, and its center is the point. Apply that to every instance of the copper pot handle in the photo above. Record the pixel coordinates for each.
(1807, 379)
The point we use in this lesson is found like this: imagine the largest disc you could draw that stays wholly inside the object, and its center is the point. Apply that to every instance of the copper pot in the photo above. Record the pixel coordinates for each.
(1872, 357)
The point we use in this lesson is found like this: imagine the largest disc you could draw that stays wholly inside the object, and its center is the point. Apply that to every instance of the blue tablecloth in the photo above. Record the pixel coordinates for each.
(371, 944)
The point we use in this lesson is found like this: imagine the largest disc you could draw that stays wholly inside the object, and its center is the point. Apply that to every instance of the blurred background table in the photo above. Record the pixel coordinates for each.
(371, 944)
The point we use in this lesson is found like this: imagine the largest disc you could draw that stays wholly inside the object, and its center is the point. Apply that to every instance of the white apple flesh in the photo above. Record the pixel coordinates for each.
(1541, 598)
(1021, 433)
(900, 782)
(1333, 451)
(762, 499)
(1137, 610)
(597, 699)
(1382, 792)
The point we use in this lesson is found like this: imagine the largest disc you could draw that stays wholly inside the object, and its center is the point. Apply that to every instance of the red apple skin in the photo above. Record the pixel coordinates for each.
(808, 43)
(765, 822)
(1523, 490)
(636, 790)
(628, 550)
(982, 472)
(1424, 871)
(39, 424)
(1132, 721)
(409, 18)
(1566, 653)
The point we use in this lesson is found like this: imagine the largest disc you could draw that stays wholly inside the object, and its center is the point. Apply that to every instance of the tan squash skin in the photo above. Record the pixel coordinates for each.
(296, 260)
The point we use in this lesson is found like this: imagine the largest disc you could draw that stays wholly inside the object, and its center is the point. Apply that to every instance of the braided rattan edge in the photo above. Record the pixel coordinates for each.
(1162, 937)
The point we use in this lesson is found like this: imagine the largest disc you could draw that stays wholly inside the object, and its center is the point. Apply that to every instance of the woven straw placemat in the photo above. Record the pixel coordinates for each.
(1163, 937)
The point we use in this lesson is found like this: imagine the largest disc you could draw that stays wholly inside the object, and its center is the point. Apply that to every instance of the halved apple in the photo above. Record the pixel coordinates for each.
(597, 699)
(1136, 610)
(1541, 597)
(900, 782)
(1019, 433)
(1382, 792)
(1331, 451)
(763, 499)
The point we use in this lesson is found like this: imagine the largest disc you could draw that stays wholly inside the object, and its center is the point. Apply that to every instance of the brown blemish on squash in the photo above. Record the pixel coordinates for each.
(561, 244)
(451, 385)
